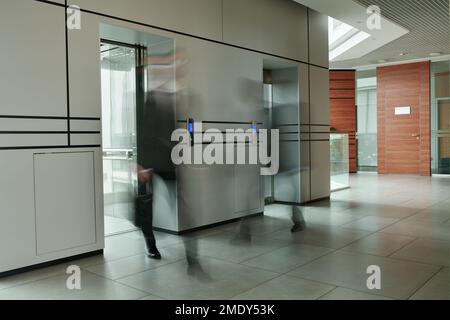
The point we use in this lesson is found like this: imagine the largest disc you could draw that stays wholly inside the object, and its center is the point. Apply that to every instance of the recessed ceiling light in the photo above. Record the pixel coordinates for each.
(435, 54)
(403, 53)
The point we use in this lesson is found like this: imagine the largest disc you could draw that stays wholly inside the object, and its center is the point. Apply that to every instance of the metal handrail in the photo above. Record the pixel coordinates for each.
(128, 154)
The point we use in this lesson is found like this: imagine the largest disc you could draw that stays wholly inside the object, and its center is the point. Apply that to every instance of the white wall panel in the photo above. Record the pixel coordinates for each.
(32, 59)
(85, 125)
(32, 140)
(85, 139)
(32, 125)
(84, 69)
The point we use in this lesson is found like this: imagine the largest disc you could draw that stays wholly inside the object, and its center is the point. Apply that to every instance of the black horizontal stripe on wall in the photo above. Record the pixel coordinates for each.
(50, 147)
(33, 132)
(7, 116)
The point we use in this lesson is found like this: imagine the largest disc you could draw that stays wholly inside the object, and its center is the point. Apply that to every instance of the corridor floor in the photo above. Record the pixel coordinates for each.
(399, 223)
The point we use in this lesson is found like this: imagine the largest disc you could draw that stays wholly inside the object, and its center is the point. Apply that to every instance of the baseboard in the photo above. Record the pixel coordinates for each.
(49, 263)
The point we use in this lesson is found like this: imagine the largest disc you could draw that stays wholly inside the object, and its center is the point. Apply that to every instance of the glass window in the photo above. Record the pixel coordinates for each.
(367, 123)
(440, 117)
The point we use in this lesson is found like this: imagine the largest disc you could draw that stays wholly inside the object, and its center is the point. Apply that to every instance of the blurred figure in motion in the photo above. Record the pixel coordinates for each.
(144, 211)
(297, 219)
(165, 92)
(250, 94)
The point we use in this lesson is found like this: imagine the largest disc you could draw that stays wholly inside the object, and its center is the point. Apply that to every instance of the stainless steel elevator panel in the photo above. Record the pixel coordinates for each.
(219, 83)
(222, 88)
(205, 195)
(286, 99)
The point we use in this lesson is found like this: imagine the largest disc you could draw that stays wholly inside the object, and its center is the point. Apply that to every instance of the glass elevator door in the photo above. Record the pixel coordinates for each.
(118, 76)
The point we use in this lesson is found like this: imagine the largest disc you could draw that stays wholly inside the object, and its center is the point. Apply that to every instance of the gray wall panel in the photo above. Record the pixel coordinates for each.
(222, 83)
(320, 111)
(318, 39)
(320, 169)
(274, 26)
(197, 17)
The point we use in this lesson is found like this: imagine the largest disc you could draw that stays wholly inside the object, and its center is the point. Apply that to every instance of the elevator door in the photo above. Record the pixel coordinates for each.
(118, 68)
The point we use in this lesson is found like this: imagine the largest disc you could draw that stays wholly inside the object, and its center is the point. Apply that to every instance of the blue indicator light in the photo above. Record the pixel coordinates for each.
(191, 127)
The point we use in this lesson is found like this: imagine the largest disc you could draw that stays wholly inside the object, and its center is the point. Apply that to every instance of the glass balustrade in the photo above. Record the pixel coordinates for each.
(339, 161)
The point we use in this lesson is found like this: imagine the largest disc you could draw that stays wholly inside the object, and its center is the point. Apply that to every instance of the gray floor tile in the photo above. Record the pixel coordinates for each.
(229, 247)
(322, 236)
(427, 251)
(371, 223)
(334, 219)
(288, 258)
(260, 225)
(286, 288)
(420, 229)
(220, 280)
(438, 288)
(382, 210)
(431, 215)
(162, 239)
(128, 266)
(120, 246)
(399, 279)
(31, 276)
(379, 244)
(93, 287)
(349, 294)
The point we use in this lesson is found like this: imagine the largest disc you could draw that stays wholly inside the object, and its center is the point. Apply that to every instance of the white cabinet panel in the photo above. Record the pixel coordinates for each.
(32, 59)
(17, 231)
(65, 201)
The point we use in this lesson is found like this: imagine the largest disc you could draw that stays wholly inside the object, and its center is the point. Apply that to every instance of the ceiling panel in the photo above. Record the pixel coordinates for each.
(428, 22)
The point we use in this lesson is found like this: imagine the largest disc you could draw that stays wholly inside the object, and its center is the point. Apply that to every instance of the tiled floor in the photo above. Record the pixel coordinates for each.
(115, 226)
(399, 223)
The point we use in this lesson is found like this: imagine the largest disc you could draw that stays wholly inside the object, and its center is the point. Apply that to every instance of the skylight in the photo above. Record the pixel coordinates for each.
(343, 37)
